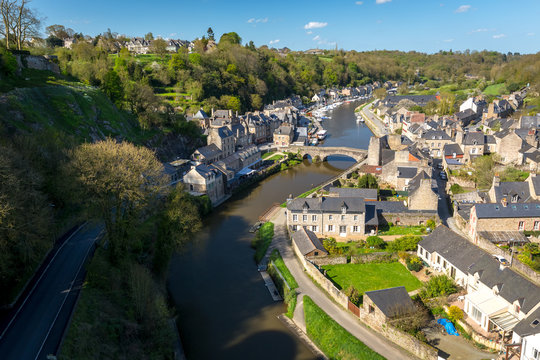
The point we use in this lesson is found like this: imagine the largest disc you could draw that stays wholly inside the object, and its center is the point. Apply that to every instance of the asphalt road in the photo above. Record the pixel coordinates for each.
(36, 328)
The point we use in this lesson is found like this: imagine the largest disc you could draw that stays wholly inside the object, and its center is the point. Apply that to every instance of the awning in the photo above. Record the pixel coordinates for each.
(506, 321)
(487, 302)
(246, 171)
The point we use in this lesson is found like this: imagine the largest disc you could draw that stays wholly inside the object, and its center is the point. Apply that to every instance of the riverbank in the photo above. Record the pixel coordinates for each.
(372, 122)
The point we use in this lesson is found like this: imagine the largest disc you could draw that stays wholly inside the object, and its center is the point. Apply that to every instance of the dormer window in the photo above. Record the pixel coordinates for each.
(343, 209)
(514, 198)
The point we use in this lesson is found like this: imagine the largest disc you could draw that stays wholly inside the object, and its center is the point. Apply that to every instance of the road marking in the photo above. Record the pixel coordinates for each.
(38, 280)
(67, 294)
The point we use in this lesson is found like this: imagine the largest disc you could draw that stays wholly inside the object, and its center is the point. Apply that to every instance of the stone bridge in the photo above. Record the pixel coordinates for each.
(323, 152)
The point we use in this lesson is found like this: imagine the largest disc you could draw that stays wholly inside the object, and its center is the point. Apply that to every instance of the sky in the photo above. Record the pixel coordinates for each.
(407, 25)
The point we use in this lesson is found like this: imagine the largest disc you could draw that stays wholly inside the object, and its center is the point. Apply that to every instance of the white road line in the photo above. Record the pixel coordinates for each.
(38, 280)
(67, 294)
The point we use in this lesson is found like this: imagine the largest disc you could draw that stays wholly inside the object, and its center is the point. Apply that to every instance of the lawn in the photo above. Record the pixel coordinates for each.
(268, 154)
(495, 89)
(262, 240)
(280, 264)
(354, 249)
(333, 340)
(402, 230)
(372, 276)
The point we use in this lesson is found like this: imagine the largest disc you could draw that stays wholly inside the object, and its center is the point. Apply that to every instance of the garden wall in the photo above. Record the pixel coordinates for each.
(374, 257)
(327, 260)
(460, 181)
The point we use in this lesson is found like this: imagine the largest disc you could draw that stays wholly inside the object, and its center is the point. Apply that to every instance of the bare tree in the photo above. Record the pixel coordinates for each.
(19, 22)
(7, 10)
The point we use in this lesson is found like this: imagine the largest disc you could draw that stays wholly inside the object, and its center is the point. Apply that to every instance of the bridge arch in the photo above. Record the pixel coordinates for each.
(323, 153)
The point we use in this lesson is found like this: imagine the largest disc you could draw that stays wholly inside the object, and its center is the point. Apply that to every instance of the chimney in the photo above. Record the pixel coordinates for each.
(212, 112)
(496, 180)
(504, 202)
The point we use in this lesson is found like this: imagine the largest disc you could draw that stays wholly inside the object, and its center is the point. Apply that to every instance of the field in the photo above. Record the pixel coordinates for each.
(402, 230)
(331, 338)
(372, 276)
(495, 89)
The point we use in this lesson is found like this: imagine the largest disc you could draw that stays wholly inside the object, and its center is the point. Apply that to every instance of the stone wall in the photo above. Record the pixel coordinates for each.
(407, 219)
(374, 257)
(37, 63)
(460, 181)
(327, 260)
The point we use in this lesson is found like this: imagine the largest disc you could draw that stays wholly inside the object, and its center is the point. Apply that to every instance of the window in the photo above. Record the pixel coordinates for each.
(536, 354)
(316, 253)
(371, 309)
(313, 217)
(476, 314)
(330, 217)
(342, 229)
(331, 228)
(294, 228)
(517, 308)
(304, 218)
(295, 217)
(355, 217)
(355, 228)
(536, 225)
(314, 228)
(521, 225)
(342, 217)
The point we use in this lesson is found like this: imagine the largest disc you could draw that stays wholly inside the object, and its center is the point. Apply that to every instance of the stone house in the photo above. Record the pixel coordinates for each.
(381, 306)
(284, 135)
(475, 144)
(205, 180)
(504, 216)
(307, 244)
(201, 119)
(499, 108)
(207, 154)
(421, 194)
(435, 140)
(223, 138)
(509, 191)
(497, 298)
(509, 145)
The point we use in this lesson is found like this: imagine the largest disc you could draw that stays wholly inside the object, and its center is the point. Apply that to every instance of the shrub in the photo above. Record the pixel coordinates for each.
(455, 313)
(456, 189)
(354, 295)
(375, 242)
(403, 255)
(405, 243)
(438, 286)
(431, 224)
(414, 263)
(330, 245)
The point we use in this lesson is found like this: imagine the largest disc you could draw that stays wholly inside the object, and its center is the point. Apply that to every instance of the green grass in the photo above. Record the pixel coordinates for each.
(352, 249)
(280, 264)
(262, 240)
(495, 89)
(267, 155)
(372, 276)
(403, 230)
(331, 338)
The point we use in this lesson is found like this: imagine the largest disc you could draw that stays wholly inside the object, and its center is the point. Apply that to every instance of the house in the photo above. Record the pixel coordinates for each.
(201, 119)
(474, 145)
(499, 108)
(421, 194)
(380, 306)
(497, 298)
(223, 138)
(509, 145)
(205, 180)
(435, 140)
(527, 334)
(453, 156)
(68, 42)
(307, 244)
(510, 191)
(284, 135)
(504, 216)
(207, 154)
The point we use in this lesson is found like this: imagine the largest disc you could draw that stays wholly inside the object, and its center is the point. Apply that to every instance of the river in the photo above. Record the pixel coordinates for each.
(224, 308)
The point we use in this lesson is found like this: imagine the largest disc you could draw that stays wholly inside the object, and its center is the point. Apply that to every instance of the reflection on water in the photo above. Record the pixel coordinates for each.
(224, 308)
(344, 130)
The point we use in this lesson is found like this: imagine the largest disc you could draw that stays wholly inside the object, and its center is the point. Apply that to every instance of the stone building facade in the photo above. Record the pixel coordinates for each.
(205, 180)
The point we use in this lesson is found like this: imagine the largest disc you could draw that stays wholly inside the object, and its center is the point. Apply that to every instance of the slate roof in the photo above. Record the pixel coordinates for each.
(451, 149)
(406, 172)
(209, 151)
(530, 325)
(471, 260)
(224, 132)
(512, 210)
(536, 183)
(307, 241)
(328, 204)
(436, 135)
(368, 194)
(393, 301)
(371, 217)
(512, 189)
(387, 156)
(414, 184)
(397, 207)
(530, 121)
(474, 138)
(420, 100)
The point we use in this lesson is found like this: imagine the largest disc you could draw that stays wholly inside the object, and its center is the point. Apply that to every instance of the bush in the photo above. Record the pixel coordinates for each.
(375, 242)
(456, 189)
(403, 255)
(455, 313)
(438, 286)
(414, 263)
(8, 63)
(330, 245)
(431, 224)
(354, 295)
(405, 243)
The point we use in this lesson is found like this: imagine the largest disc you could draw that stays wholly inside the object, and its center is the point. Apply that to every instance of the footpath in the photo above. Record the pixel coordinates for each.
(372, 121)
(306, 287)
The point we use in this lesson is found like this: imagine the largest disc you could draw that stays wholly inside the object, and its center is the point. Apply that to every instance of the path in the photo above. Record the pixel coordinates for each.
(377, 126)
(306, 287)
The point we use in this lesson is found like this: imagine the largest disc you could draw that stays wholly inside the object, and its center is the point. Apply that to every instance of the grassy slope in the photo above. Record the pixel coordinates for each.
(331, 338)
(372, 276)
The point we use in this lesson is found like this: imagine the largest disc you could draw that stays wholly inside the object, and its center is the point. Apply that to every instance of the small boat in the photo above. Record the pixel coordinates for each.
(360, 119)
(325, 118)
(321, 134)
(314, 142)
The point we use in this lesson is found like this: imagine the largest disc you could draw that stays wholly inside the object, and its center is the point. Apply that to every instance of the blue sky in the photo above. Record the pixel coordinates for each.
(421, 25)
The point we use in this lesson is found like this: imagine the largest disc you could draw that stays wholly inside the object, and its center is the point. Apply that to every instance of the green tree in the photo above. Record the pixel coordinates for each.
(230, 38)
(149, 36)
(112, 86)
(380, 93)
(483, 171)
(438, 286)
(120, 182)
(256, 102)
(159, 47)
(234, 103)
(367, 181)
(375, 242)
(330, 245)
(210, 34)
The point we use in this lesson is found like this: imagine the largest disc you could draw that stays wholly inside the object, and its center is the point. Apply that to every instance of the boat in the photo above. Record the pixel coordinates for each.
(359, 119)
(321, 134)
(325, 117)
(314, 142)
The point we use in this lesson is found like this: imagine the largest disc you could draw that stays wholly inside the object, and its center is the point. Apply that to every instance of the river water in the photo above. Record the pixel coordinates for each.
(224, 308)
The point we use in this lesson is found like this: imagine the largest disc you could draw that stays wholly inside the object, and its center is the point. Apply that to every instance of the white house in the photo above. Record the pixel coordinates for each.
(527, 333)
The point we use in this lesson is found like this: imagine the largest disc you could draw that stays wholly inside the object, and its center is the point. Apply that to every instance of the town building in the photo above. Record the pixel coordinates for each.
(205, 180)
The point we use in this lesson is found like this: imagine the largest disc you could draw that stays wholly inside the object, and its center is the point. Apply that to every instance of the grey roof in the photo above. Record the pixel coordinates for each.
(414, 184)
(393, 301)
(369, 194)
(530, 121)
(513, 191)
(224, 132)
(200, 115)
(466, 114)
(451, 149)
(536, 183)
(387, 156)
(209, 151)
(435, 135)
(511, 210)
(530, 325)
(474, 138)
(371, 217)
(472, 260)
(421, 100)
(490, 139)
(397, 207)
(328, 204)
(406, 172)
(307, 241)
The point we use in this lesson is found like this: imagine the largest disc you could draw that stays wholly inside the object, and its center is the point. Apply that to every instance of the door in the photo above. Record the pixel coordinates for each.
(342, 230)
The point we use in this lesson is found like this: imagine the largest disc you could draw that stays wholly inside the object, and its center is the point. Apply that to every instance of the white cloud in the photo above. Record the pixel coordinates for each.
(359, 2)
(317, 37)
(315, 25)
(273, 42)
(463, 8)
(498, 36)
(530, 34)
(480, 30)
(382, 1)
(309, 32)
(448, 40)
(252, 20)
(256, 21)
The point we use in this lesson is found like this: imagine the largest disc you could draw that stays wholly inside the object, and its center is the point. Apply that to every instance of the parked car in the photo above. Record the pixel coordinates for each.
(442, 174)
(501, 259)
(440, 166)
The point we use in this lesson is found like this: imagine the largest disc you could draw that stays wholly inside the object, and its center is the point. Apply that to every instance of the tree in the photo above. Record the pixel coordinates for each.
(438, 286)
(59, 31)
(19, 22)
(210, 34)
(256, 102)
(380, 93)
(446, 104)
(119, 181)
(53, 41)
(230, 38)
(159, 47)
(483, 170)
(455, 313)
(375, 242)
(149, 36)
(367, 181)
(405, 243)
(330, 245)
(354, 295)
(112, 86)
(234, 103)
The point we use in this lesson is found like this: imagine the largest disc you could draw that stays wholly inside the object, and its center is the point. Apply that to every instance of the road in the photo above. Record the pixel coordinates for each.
(380, 128)
(36, 328)
(306, 287)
